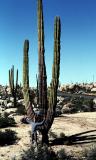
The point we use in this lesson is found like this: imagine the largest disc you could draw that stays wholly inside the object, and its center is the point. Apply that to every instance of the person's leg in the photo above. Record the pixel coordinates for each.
(35, 137)
(32, 137)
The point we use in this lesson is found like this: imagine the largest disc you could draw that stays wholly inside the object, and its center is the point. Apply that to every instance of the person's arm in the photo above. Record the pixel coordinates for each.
(35, 124)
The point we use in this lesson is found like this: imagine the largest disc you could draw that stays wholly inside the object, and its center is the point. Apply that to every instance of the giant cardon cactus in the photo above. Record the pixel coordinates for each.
(42, 78)
(47, 104)
(26, 76)
(12, 84)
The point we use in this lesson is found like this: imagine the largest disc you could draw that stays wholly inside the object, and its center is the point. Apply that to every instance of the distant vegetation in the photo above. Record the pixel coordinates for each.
(6, 121)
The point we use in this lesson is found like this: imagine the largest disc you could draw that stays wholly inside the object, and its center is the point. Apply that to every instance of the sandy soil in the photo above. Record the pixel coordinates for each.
(69, 124)
(74, 126)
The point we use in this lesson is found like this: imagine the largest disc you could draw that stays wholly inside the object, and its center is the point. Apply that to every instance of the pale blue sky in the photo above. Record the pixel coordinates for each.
(18, 21)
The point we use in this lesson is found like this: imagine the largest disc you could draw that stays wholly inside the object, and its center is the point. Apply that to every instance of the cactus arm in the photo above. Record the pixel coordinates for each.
(10, 80)
(16, 78)
(56, 65)
(42, 77)
(26, 74)
(26, 94)
(55, 80)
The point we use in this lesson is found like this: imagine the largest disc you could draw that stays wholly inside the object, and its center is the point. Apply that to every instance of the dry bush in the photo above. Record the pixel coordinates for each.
(6, 121)
(7, 137)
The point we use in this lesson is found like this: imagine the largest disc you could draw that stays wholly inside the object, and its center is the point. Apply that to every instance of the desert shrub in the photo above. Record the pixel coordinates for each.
(6, 121)
(77, 103)
(89, 103)
(62, 155)
(82, 104)
(91, 154)
(7, 137)
(39, 153)
(21, 110)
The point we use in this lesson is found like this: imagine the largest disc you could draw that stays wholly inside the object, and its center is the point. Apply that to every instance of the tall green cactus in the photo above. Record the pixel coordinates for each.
(26, 89)
(56, 64)
(37, 90)
(12, 84)
(44, 128)
(26, 64)
(26, 74)
(42, 78)
(47, 104)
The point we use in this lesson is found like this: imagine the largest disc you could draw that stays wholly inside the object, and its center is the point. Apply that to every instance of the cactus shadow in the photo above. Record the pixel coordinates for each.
(80, 138)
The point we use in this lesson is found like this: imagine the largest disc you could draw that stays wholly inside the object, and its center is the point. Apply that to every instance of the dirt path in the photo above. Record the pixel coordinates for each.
(70, 125)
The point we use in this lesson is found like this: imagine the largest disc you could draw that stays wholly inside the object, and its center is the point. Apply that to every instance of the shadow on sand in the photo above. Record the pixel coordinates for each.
(80, 138)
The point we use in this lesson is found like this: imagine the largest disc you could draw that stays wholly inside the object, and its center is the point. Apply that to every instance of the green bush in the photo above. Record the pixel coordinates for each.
(21, 110)
(6, 121)
(7, 137)
(89, 103)
(44, 153)
(62, 155)
(39, 153)
(91, 155)
(82, 104)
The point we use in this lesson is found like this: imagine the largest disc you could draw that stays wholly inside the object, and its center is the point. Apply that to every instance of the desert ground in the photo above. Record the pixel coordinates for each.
(79, 130)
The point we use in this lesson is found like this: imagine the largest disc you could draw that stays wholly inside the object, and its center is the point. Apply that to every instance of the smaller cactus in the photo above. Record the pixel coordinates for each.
(13, 87)
(26, 73)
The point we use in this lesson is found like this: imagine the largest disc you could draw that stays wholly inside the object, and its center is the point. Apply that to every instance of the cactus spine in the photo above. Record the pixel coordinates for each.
(13, 86)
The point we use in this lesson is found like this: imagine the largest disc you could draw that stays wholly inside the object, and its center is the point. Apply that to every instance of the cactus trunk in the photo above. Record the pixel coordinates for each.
(54, 83)
(42, 78)
(13, 86)
(26, 74)
(26, 90)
